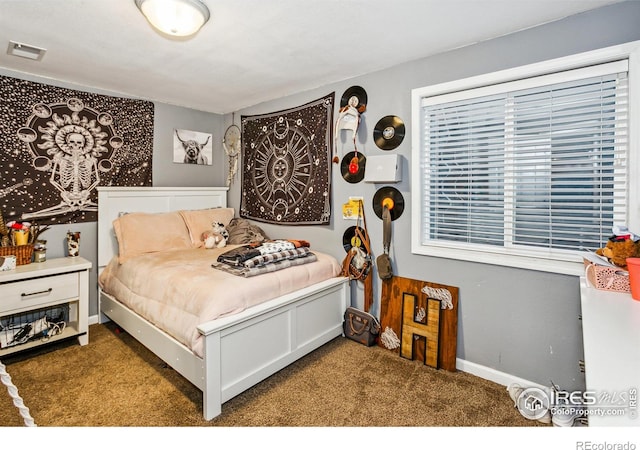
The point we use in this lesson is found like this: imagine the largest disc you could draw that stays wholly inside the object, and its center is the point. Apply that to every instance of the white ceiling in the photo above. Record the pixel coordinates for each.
(252, 51)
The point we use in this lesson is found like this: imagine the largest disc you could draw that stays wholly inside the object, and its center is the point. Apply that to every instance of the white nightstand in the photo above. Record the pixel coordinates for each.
(34, 290)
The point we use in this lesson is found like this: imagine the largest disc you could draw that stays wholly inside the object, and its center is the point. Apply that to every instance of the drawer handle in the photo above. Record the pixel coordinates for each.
(47, 291)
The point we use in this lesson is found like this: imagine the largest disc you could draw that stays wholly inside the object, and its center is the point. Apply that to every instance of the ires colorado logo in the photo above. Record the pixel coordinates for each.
(534, 403)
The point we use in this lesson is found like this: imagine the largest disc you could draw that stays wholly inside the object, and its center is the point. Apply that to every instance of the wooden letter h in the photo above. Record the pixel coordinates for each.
(411, 328)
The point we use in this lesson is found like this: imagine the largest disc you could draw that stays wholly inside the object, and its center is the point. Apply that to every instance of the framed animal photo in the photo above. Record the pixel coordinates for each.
(192, 147)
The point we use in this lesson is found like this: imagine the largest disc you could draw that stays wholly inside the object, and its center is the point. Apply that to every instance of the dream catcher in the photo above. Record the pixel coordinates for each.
(232, 145)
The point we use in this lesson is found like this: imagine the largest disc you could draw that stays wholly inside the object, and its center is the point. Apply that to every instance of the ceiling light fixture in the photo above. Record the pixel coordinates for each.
(175, 17)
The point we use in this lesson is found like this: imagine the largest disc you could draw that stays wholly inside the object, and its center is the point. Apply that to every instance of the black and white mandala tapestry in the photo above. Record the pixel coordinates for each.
(286, 174)
(58, 145)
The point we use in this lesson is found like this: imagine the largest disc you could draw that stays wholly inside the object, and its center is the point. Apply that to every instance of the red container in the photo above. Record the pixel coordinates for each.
(633, 266)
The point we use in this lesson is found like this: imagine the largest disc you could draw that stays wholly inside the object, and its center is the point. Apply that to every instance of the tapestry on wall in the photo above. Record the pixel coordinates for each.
(58, 145)
(286, 175)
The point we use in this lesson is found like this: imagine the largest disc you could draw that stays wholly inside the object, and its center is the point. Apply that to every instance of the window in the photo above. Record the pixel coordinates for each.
(526, 172)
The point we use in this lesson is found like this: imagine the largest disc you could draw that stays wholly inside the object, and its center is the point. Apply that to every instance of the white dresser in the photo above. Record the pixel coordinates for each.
(611, 335)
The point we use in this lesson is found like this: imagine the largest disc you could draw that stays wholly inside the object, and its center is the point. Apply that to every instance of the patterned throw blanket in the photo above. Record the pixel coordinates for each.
(249, 261)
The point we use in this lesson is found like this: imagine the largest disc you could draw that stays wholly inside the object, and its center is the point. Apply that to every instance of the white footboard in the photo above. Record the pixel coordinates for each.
(245, 349)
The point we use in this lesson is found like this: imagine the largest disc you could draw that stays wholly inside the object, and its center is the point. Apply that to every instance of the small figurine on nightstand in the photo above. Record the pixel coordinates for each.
(73, 243)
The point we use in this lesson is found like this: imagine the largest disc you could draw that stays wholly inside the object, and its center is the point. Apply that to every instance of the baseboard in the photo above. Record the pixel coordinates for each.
(93, 320)
(494, 375)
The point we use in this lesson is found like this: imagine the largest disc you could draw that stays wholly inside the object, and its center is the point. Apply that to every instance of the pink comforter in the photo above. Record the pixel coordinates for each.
(178, 290)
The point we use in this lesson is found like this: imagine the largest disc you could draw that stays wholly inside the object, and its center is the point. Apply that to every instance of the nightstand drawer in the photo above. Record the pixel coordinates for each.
(38, 291)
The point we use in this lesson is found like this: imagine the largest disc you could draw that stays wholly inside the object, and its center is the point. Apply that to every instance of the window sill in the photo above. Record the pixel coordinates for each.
(495, 257)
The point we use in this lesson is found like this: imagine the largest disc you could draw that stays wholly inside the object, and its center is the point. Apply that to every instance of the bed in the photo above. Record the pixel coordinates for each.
(243, 344)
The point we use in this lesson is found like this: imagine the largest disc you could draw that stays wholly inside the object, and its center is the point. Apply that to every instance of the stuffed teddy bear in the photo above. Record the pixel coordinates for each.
(618, 250)
(216, 237)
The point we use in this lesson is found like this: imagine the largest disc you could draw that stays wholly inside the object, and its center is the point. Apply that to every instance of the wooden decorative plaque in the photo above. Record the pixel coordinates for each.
(393, 292)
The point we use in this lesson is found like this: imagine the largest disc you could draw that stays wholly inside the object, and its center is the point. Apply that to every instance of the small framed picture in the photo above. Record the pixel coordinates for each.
(192, 147)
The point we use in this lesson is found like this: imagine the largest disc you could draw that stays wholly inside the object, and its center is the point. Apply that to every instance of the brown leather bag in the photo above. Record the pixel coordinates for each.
(360, 326)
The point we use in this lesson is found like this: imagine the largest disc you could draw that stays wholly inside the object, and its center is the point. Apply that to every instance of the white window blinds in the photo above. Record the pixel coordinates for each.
(534, 165)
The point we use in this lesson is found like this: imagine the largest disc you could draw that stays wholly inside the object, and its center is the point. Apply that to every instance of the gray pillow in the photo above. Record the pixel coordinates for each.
(241, 231)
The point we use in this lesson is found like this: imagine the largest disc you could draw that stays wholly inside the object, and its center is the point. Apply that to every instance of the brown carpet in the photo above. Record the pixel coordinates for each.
(114, 381)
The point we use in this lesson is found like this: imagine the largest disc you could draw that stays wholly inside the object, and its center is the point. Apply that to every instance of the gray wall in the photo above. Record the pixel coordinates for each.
(521, 322)
(516, 321)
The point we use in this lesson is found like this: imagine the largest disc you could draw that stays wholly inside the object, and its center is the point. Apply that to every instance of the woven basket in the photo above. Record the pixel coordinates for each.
(22, 253)
(607, 278)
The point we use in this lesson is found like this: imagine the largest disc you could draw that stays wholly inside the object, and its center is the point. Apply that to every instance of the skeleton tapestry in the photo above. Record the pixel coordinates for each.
(57, 145)
(286, 176)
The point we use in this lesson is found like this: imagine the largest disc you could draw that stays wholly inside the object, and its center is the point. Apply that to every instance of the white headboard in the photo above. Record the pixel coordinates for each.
(112, 201)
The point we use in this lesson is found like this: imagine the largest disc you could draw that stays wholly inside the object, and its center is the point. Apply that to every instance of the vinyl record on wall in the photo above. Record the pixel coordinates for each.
(389, 132)
(359, 93)
(391, 197)
(352, 167)
(350, 239)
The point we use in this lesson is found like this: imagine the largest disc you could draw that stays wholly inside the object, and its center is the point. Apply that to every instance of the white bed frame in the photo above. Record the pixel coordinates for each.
(241, 350)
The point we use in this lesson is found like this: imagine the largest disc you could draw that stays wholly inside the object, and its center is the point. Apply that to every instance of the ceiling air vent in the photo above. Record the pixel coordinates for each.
(25, 51)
